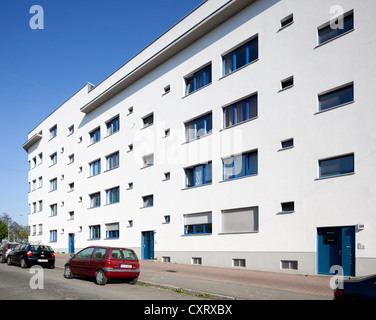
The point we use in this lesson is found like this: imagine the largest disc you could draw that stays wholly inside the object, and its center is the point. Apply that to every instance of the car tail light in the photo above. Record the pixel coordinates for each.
(108, 264)
(29, 253)
(53, 255)
(338, 292)
(138, 265)
(6, 247)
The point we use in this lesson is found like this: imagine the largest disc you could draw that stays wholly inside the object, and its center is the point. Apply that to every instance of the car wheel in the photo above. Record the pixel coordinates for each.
(68, 272)
(100, 278)
(133, 281)
(9, 262)
(23, 264)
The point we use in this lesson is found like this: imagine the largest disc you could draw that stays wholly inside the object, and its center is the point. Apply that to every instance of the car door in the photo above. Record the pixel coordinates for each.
(97, 260)
(18, 253)
(80, 263)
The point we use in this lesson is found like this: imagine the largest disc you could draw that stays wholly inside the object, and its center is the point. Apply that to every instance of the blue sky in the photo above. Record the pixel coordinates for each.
(82, 41)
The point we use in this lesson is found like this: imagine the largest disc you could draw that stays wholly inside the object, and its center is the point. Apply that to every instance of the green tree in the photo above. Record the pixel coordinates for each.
(3, 231)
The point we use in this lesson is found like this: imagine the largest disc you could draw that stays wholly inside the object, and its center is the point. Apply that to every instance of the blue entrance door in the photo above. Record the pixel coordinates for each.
(147, 245)
(71, 242)
(336, 246)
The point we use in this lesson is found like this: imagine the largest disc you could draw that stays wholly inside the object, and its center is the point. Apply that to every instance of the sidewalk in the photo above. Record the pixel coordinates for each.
(229, 284)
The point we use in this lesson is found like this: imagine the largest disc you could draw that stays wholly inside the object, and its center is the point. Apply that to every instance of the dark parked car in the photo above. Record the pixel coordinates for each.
(26, 255)
(5, 249)
(104, 263)
(362, 288)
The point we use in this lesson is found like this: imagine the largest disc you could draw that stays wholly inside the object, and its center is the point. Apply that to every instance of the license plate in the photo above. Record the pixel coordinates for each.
(126, 266)
(42, 260)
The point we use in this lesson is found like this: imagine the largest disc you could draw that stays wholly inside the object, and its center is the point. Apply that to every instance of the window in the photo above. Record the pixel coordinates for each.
(130, 185)
(167, 133)
(95, 200)
(336, 97)
(130, 111)
(70, 130)
(167, 176)
(112, 161)
(85, 253)
(287, 144)
(53, 184)
(336, 166)
(198, 223)
(71, 159)
(239, 220)
(53, 208)
(112, 231)
(148, 160)
(95, 168)
(113, 126)
(40, 181)
(53, 158)
(167, 219)
(198, 127)
(336, 28)
(40, 205)
(238, 263)
(99, 253)
(148, 201)
(198, 175)
(95, 232)
(71, 215)
(289, 20)
(241, 111)
(112, 195)
(167, 89)
(130, 147)
(71, 186)
(148, 120)
(241, 56)
(53, 236)
(53, 132)
(198, 80)
(288, 206)
(95, 135)
(240, 165)
(196, 260)
(289, 265)
(287, 83)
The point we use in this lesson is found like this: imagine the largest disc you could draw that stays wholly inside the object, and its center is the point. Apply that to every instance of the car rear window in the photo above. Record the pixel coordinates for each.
(40, 248)
(123, 254)
(12, 246)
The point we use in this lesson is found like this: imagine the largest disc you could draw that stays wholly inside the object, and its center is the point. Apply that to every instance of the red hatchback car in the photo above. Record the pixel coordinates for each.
(104, 263)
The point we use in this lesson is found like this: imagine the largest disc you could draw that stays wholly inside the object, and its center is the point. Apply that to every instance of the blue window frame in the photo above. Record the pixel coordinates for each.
(53, 236)
(95, 168)
(337, 166)
(198, 223)
(95, 232)
(199, 127)
(198, 80)
(53, 184)
(148, 201)
(53, 210)
(95, 136)
(53, 159)
(241, 56)
(332, 30)
(112, 161)
(53, 132)
(198, 175)
(95, 200)
(113, 234)
(113, 126)
(240, 165)
(336, 97)
(241, 111)
(112, 195)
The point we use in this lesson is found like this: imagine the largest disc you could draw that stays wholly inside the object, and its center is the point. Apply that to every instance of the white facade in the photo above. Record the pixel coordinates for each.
(155, 82)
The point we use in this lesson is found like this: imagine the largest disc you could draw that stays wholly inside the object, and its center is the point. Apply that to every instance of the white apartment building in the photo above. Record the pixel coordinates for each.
(243, 137)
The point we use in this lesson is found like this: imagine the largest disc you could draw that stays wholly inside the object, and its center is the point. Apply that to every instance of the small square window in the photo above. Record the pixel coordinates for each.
(148, 120)
(130, 110)
(287, 144)
(288, 206)
(167, 219)
(166, 259)
(289, 265)
(130, 147)
(148, 201)
(289, 20)
(148, 160)
(287, 83)
(130, 223)
(71, 130)
(167, 133)
(167, 89)
(167, 176)
(238, 263)
(196, 260)
(130, 185)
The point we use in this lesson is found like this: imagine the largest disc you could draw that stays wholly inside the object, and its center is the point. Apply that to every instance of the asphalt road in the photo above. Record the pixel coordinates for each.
(22, 284)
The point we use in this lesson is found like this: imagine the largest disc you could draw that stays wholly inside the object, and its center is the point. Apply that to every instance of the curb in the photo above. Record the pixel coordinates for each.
(211, 296)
